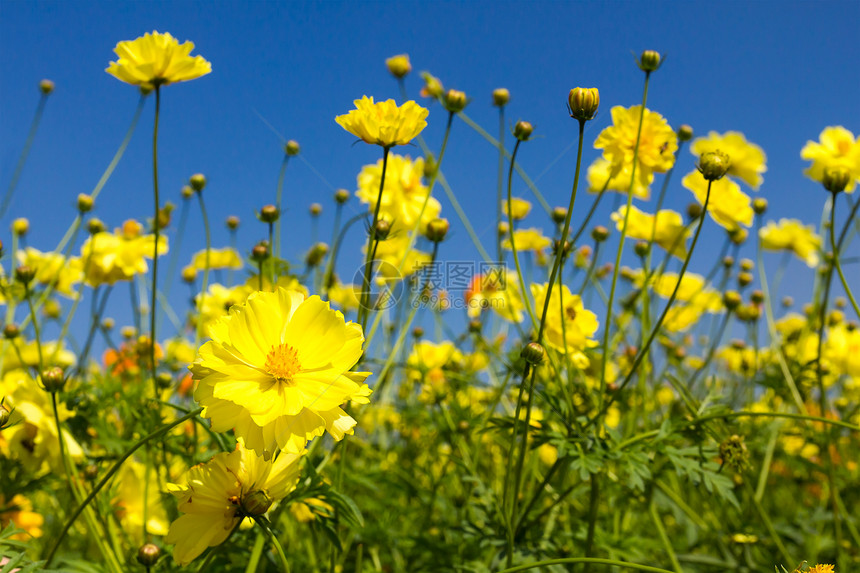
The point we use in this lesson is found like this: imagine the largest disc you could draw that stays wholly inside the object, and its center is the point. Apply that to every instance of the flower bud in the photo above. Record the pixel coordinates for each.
(787, 302)
(46, 87)
(315, 209)
(840, 302)
(641, 248)
(53, 379)
(4, 416)
(455, 101)
(685, 133)
(20, 226)
(757, 297)
(382, 228)
(95, 225)
(232, 222)
(316, 254)
(164, 380)
(128, 332)
(744, 279)
(523, 130)
(649, 61)
(269, 214)
(836, 179)
(746, 265)
(694, 211)
(197, 182)
(533, 353)
(559, 214)
(728, 261)
(11, 331)
(148, 554)
(834, 317)
(430, 166)
(432, 86)
(187, 192)
(399, 65)
(25, 274)
(501, 97)
(108, 323)
(260, 252)
(292, 148)
(582, 103)
(503, 228)
(600, 233)
(475, 326)
(603, 271)
(437, 229)
(713, 165)
(52, 309)
(738, 236)
(189, 274)
(165, 215)
(85, 203)
(732, 299)
(256, 503)
(417, 332)
(759, 205)
(341, 196)
(734, 453)
(748, 313)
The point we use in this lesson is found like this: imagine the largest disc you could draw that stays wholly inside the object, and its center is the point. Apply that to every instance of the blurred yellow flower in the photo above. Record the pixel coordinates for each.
(794, 236)
(842, 349)
(19, 511)
(403, 195)
(497, 290)
(618, 177)
(384, 123)
(157, 60)
(129, 502)
(394, 250)
(748, 159)
(53, 269)
(427, 363)
(527, 240)
(671, 234)
(728, 206)
(222, 492)
(520, 208)
(118, 256)
(836, 147)
(277, 371)
(575, 328)
(344, 296)
(226, 258)
(657, 143)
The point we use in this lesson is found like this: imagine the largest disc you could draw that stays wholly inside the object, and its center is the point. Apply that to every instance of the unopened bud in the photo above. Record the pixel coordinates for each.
(744, 279)
(315, 209)
(260, 252)
(747, 265)
(256, 503)
(649, 61)
(189, 274)
(757, 297)
(582, 103)
(25, 274)
(399, 65)
(382, 229)
(52, 309)
(503, 228)
(732, 299)
(430, 166)
(232, 222)
(20, 226)
(728, 261)
(108, 323)
(148, 554)
(685, 133)
(197, 182)
(840, 302)
(85, 203)
(46, 87)
(269, 214)
(437, 229)
(787, 302)
(128, 332)
(53, 379)
(738, 235)
(501, 97)
(454, 101)
(836, 179)
(641, 248)
(11, 331)
(559, 214)
(164, 380)
(759, 205)
(316, 254)
(713, 165)
(417, 332)
(341, 196)
(523, 130)
(187, 192)
(694, 211)
(600, 233)
(533, 353)
(475, 326)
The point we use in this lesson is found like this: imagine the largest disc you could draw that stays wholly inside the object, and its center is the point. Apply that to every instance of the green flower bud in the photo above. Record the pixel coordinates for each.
(728, 261)
(533, 353)
(685, 133)
(292, 148)
(11, 331)
(559, 214)
(501, 97)
(738, 236)
(641, 248)
(341, 196)
(417, 332)
(475, 326)
(523, 130)
(713, 165)
(399, 65)
(430, 166)
(746, 265)
(600, 233)
(53, 379)
(316, 254)
(757, 297)
(148, 554)
(759, 205)
(437, 229)
(787, 302)
(649, 61)
(46, 87)
(744, 279)
(187, 192)
(582, 103)
(732, 299)
(256, 503)
(197, 182)
(694, 211)
(25, 274)
(315, 209)
(21, 226)
(85, 203)
(260, 252)
(232, 222)
(383, 228)
(455, 101)
(269, 214)
(836, 179)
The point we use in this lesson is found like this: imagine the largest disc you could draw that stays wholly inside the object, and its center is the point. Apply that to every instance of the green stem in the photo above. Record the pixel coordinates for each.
(371, 246)
(592, 560)
(156, 231)
(285, 566)
(836, 263)
(520, 277)
(276, 247)
(499, 255)
(205, 286)
(19, 167)
(664, 538)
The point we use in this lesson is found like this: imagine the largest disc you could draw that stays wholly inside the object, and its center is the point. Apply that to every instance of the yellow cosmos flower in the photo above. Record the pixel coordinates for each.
(575, 327)
(792, 235)
(836, 147)
(384, 123)
(118, 256)
(728, 206)
(657, 144)
(427, 364)
(520, 208)
(618, 177)
(671, 234)
(842, 349)
(53, 269)
(345, 296)
(497, 290)
(222, 492)
(527, 240)
(748, 159)
(129, 502)
(157, 60)
(225, 258)
(821, 568)
(277, 371)
(403, 195)
(19, 511)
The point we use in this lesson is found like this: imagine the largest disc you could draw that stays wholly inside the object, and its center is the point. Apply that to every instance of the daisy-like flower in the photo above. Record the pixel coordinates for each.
(222, 492)
(657, 143)
(277, 371)
(602, 174)
(53, 269)
(670, 232)
(748, 159)
(384, 123)
(404, 193)
(520, 208)
(226, 258)
(574, 328)
(497, 290)
(157, 60)
(794, 236)
(836, 147)
(118, 256)
(728, 206)
(527, 240)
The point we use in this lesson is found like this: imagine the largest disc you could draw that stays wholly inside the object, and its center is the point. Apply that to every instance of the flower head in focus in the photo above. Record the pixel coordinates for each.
(657, 144)
(384, 123)
(277, 371)
(748, 160)
(836, 147)
(575, 328)
(157, 60)
(792, 235)
(222, 492)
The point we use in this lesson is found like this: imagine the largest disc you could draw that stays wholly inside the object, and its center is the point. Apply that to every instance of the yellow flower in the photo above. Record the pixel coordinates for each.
(692, 289)
(792, 235)
(277, 371)
(309, 509)
(222, 492)
(225, 258)
(157, 60)
(384, 123)
(747, 159)
(520, 208)
(497, 290)
(821, 568)
(618, 177)
(527, 240)
(427, 364)
(403, 195)
(842, 349)
(657, 144)
(671, 234)
(728, 206)
(836, 147)
(345, 296)
(391, 252)
(129, 501)
(575, 328)
(19, 511)
(111, 257)
(53, 269)
(399, 65)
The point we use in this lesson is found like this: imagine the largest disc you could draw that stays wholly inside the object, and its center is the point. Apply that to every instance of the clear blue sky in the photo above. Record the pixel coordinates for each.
(777, 71)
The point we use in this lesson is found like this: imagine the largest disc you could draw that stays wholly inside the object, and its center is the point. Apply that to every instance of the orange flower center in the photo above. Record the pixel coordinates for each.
(282, 363)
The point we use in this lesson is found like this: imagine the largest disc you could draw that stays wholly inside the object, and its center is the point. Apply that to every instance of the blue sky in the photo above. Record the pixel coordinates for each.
(777, 71)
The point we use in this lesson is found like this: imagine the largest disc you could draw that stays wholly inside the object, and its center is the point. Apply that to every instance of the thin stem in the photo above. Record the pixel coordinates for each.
(664, 538)
(276, 247)
(205, 286)
(156, 231)
(511, 237)
(836, 262)
(285, 566)
(371, 246)
(19, 167)
(499, 187)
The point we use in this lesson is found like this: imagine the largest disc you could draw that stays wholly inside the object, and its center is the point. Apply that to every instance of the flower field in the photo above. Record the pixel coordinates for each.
(576, 399)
